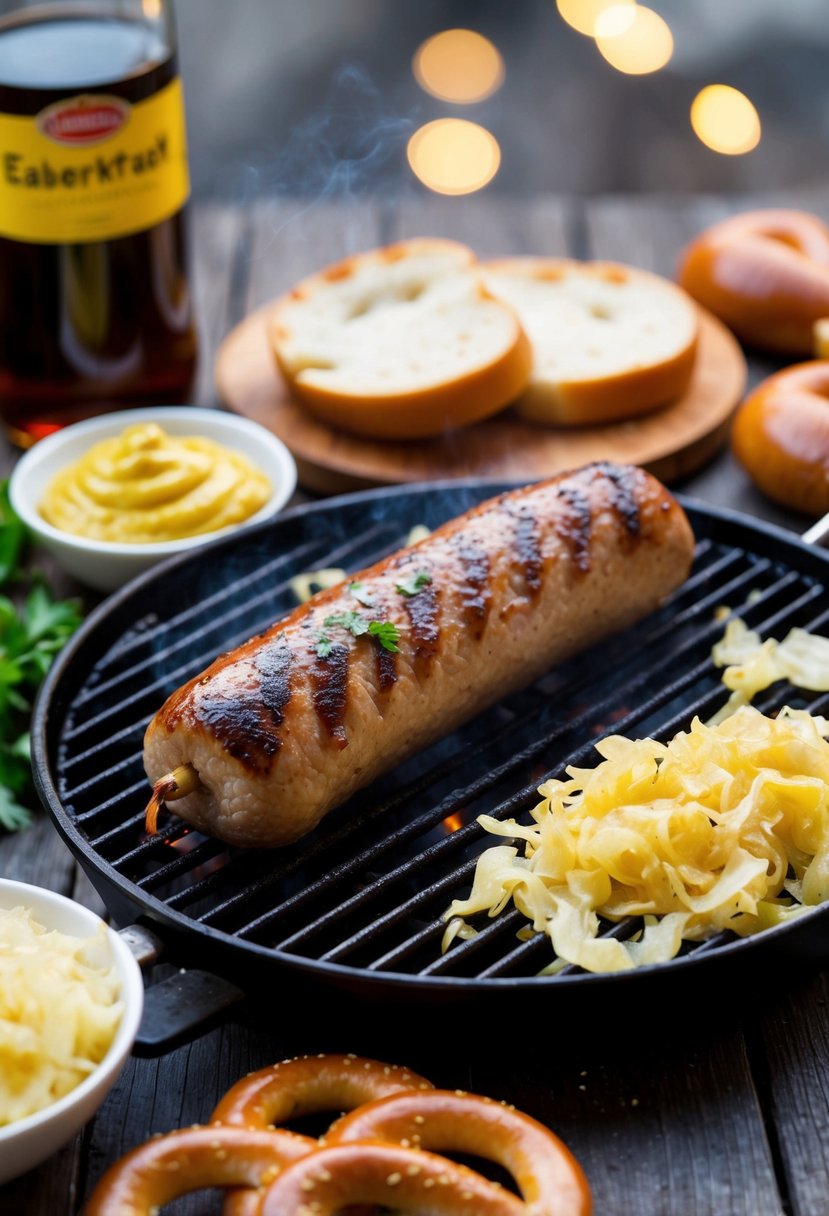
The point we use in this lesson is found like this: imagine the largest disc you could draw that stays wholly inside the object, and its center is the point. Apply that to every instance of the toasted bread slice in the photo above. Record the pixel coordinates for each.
(401, 342)
(609, 341)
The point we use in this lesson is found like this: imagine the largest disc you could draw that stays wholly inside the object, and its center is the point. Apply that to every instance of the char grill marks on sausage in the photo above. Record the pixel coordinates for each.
(330, 689)
(528, 548)
(424, 632)
(624, 500)
(475, 592)
(483, 605)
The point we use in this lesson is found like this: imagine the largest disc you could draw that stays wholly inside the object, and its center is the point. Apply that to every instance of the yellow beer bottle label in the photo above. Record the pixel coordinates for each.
(93, 167)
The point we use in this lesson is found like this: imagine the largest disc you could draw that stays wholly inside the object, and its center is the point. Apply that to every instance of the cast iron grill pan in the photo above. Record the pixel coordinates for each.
(358, 903)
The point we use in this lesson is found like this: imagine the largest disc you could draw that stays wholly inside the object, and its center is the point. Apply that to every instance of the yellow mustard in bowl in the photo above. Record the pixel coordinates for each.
(144, 486)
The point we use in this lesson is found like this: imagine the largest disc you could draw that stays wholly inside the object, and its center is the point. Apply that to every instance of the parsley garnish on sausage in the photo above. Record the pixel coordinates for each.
(361, 596)
(413, 583)
(386, 632)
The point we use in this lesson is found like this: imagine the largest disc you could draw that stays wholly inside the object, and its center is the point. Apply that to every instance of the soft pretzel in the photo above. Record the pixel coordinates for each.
(310, 1084)
(161, 1170)
(304, 1086)
(378, 1155)
(781, 437)
(407, 1180)
(765, 274)
(548, 1176)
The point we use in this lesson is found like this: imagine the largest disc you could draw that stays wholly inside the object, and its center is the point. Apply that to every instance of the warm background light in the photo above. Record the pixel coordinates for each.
(453, 156)
(615, 20)
(583, 14)
(644, 45)
(725, 120)
(459, 66)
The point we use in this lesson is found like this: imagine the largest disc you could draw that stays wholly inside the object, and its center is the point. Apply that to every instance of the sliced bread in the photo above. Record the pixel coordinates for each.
(400, 342)
(609, 341)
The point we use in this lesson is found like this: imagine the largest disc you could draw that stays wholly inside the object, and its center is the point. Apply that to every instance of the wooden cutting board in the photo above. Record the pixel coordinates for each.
(671, 442)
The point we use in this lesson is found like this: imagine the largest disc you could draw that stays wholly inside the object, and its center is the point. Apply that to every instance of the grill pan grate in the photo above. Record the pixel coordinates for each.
(366, 891)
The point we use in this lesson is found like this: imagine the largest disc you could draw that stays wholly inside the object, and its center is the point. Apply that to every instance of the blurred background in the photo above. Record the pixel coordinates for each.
(358, 97)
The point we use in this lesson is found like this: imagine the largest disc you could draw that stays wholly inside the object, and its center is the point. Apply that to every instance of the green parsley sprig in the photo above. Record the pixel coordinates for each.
(386, 632)
(33, 628)
(412, 583)
(361, 595)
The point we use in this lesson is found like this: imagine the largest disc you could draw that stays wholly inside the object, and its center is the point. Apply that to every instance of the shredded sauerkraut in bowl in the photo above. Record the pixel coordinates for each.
(59, 1010)
(724, 827)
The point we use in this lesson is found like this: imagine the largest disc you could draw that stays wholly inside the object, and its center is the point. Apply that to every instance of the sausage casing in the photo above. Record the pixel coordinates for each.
(296, 720)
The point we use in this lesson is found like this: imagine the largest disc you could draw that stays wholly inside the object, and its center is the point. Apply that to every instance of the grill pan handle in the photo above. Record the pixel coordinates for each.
(180, 1007)
(818, 534)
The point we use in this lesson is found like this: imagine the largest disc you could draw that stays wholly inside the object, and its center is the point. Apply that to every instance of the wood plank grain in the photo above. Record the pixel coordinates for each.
(658, 1105)
(490, 225)
(51, 1188)
(648, 231)
(38, 855)
(290, 239)
(792, 1063)
(661, 1128)
(178, 1090)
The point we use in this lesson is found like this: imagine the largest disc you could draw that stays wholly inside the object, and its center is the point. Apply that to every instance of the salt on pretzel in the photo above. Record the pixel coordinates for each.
(304, 1086)
(548, 1176)
(765, 274)
(308, 1085)
(161, 1170)
(781, 437)
(407, 1180)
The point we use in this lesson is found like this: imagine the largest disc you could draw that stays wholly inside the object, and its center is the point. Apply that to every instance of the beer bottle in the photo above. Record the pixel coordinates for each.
(95, 310)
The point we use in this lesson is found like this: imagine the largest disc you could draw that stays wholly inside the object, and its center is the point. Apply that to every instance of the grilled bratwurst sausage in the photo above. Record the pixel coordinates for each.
(272, 736)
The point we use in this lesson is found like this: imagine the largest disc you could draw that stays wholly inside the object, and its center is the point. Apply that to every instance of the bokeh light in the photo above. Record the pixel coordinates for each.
(725, 120)
(615, 20)
(459, 66)
(583, 15)
(642, 45)
(453, 156)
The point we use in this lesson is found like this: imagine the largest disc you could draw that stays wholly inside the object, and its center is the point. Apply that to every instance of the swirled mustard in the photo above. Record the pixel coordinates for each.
(144, 486)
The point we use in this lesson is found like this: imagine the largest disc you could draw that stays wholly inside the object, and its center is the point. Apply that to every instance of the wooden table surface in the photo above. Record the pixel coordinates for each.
(716, 1105)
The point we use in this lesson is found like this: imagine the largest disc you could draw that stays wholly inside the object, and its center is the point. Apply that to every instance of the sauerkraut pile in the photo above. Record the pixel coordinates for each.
(59, 1011)
(725, 827)
(752, 665)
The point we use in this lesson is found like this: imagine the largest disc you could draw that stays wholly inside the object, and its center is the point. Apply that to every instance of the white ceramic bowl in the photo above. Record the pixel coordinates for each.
(27, 1142)
(107, 565)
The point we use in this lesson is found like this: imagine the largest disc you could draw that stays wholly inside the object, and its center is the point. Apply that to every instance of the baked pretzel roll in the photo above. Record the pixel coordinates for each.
(765, 274)
(781, 437)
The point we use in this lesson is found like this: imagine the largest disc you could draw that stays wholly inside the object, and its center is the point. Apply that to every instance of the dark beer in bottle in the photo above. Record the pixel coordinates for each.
(95, 310)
